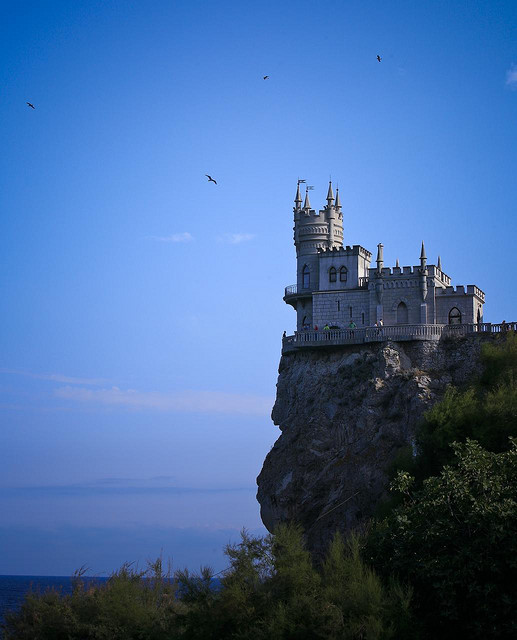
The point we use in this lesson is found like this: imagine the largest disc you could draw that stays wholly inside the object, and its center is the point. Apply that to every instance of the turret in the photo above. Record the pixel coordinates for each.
(380, 257)
(314, 231)
(423, 258)
(307, 203)
(330, 196)
(297, 199)
(338, 202)
(423, 284)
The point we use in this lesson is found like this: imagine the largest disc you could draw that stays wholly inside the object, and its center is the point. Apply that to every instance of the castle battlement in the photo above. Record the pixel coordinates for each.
(460, 291)
(355, 250)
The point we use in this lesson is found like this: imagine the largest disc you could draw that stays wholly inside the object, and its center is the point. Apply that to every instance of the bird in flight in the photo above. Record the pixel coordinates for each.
(30, 105)
(379, 58)
(210, 179)
(266, 78)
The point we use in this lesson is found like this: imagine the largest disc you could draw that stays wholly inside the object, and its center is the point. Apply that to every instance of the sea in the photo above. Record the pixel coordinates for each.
(14, 588)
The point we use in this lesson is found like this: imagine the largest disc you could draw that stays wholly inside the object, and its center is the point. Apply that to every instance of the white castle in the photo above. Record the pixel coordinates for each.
(336, 287)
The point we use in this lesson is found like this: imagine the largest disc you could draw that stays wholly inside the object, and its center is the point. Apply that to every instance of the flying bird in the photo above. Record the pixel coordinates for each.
(379, 58)
(266, 78)
(30, 105)
(210, 179)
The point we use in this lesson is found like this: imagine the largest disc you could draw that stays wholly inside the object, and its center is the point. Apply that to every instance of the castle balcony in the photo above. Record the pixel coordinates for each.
(293, 292)
(397, 333)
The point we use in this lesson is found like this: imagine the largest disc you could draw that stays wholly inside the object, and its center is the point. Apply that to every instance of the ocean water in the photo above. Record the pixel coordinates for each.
(14, 588)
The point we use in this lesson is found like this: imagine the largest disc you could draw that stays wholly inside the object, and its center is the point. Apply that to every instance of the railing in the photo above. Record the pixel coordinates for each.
(292, 290)
(332, 337)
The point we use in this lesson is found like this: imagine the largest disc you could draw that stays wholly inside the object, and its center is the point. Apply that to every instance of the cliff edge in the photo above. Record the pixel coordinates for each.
(344, 414)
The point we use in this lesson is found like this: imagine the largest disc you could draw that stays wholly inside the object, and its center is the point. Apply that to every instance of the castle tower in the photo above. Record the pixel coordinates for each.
(314, 231)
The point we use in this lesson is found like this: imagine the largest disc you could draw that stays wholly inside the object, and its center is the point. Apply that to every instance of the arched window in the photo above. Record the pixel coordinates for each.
(343, 274)
(455, 316)
(479, 315)
(332, 274)
(306, 277)
(402, 313)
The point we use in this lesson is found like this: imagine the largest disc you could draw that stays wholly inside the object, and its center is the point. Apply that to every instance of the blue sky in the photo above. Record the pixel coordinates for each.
(142, 306)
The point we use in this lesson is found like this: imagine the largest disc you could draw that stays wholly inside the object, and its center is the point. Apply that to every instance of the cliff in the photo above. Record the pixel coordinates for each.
(344, 414)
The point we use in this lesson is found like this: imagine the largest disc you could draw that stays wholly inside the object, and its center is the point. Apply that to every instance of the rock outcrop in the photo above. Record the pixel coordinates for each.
(344, 414)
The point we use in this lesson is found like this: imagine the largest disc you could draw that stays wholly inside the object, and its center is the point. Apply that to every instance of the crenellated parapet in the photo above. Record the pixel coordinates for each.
(459, 290)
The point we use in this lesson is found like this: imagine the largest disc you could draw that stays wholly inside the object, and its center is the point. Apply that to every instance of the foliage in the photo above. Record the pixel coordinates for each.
(132, 605)
(454, 540)
(271, 590)
(486, 411)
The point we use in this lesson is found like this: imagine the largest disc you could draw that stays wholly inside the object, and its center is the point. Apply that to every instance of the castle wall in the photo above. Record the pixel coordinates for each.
(354, 302)
(304, 313)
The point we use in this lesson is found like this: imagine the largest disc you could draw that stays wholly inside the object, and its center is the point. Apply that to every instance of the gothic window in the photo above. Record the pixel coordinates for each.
(306, 277)
(402, 313)
(332, 274)
(455, 316)
(343, 273)
(338, 306)
(479, 315)
(350, 310)
(362, 317)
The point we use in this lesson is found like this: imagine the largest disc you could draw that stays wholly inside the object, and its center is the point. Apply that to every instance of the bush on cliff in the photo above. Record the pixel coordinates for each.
(486, 411)
(454, 541)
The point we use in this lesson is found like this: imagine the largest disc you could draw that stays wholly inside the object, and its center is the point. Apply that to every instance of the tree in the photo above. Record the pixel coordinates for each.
(454, 541)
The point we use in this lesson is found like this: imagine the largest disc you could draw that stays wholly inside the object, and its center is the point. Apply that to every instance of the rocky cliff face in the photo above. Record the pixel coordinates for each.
(344, 414)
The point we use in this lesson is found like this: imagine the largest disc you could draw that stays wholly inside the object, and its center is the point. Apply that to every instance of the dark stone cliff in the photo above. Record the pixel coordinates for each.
(344, 414)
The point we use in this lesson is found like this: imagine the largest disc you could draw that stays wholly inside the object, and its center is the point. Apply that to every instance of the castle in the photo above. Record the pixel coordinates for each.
(337, 287)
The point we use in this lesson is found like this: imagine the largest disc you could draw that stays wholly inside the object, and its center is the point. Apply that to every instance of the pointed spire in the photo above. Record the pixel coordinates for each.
(439, 263)
(298, 197)
(423, 257)
(397, 264)
(338, 199)
(380, 257)
(307, 204)
(330, 195)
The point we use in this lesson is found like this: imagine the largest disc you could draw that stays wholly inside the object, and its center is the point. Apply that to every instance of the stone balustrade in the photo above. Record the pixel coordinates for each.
(397, 333)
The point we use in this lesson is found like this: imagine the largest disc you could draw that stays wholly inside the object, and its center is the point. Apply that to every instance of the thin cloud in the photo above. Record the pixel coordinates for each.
(175, 237)
(86, 490)
(511, 77)
(56, 377)
(236, 238)
(182, 402)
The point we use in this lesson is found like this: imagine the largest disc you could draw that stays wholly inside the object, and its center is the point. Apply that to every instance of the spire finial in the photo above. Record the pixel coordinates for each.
(307, 204)
(397, 264)
(330, 195)
(439, 263)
